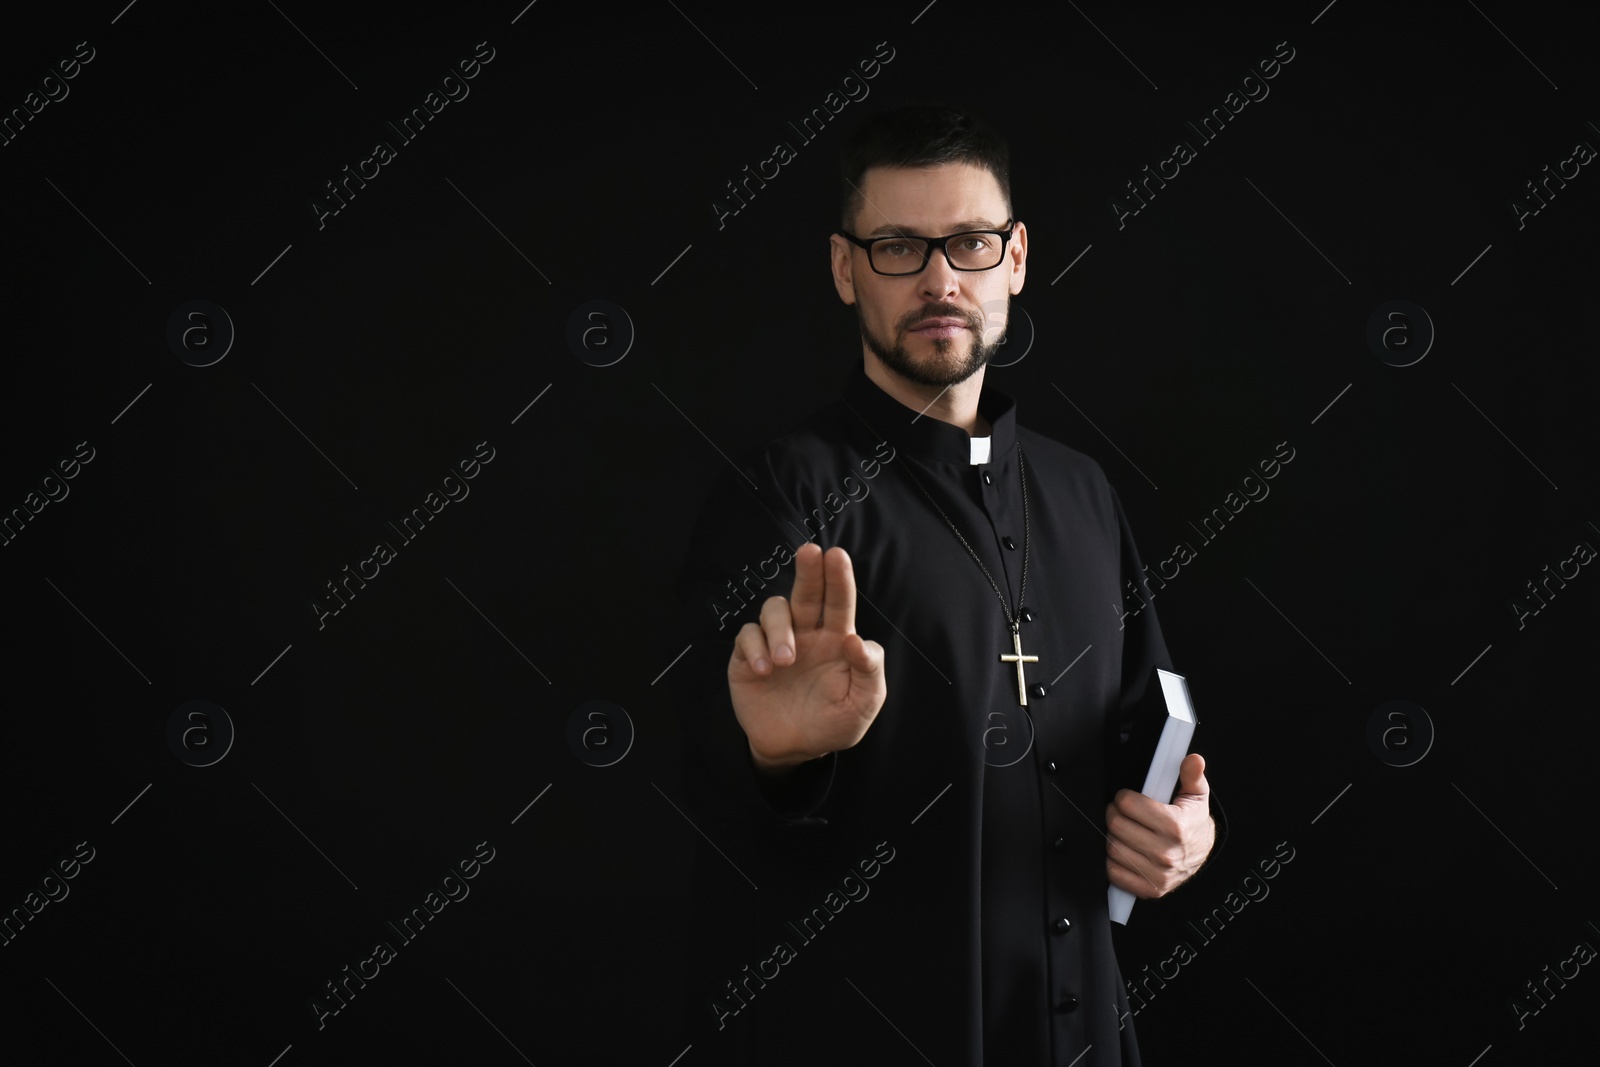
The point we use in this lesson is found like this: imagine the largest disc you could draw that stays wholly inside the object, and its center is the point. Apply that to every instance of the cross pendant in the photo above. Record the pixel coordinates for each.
(1019, 659)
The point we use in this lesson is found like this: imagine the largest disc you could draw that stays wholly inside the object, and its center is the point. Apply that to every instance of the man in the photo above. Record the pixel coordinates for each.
(922, 816)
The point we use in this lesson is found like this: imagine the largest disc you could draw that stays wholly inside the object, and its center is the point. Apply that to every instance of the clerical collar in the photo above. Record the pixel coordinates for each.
(929, 438)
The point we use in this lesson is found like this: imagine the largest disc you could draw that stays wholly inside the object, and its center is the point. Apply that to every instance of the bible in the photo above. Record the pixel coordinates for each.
(1162, 728)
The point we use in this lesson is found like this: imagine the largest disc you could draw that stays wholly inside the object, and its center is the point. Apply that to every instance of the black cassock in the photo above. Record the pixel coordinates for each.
(937, 892)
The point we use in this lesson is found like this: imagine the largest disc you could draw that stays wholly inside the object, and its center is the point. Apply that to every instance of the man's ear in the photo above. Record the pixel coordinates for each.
(1018, 254)
(843, 266)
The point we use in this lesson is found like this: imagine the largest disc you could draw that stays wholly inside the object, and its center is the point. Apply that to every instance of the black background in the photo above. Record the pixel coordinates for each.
(426, 316)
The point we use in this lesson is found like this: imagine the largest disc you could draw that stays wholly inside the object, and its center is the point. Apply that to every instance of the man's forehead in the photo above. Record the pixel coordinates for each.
(930, 199)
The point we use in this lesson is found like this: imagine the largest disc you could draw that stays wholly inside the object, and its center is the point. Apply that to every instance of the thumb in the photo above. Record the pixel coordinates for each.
(1192, 776)
(863, 655)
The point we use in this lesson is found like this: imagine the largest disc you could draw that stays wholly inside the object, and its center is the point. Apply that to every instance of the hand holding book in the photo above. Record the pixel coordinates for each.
(1158, 838)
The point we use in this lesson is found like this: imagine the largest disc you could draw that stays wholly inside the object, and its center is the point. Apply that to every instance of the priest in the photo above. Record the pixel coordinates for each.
(911, 675)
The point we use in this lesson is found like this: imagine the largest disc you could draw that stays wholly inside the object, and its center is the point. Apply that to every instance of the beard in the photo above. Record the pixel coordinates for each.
(942, 370)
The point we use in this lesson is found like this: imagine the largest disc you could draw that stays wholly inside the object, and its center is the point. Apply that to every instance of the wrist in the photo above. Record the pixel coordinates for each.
(776, 765)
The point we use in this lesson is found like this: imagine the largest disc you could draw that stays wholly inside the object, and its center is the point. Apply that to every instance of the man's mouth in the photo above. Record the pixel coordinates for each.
(940, 327)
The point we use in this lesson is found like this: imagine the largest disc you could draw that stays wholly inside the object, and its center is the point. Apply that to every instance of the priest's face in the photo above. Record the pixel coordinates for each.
(941, 326)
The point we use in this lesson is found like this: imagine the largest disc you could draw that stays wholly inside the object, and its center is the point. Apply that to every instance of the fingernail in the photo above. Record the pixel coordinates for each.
(781, 653)
(762, 664)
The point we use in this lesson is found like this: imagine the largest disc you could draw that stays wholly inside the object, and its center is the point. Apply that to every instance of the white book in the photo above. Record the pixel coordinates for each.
(1177, 719)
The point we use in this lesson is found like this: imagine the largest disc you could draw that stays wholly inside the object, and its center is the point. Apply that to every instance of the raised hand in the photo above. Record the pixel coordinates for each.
(803, 682)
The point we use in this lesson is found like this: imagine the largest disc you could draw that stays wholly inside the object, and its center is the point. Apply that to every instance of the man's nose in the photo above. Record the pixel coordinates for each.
(939, 276)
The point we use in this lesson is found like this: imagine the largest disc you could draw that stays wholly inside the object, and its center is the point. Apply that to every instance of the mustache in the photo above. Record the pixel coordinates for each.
(941, 311)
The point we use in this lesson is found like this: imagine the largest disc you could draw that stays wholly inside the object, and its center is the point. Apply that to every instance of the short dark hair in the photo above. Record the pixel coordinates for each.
(919, 135)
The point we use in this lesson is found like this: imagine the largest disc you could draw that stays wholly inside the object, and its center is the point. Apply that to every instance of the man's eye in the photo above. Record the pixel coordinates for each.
(895, 248)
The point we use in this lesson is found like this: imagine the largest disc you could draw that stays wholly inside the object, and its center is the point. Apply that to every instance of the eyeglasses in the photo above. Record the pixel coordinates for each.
(902, 254)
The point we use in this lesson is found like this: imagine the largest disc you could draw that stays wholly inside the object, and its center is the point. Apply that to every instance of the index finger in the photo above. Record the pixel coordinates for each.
(1147, 812)
(839, 593)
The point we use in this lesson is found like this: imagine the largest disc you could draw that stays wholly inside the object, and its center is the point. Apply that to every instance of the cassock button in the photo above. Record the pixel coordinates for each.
(1009, 541)
(1050, 768)
(1068, 1003)
(1060, 844)
(1038, 689)
(1063, 925)
(987, 478)
(1027, 614)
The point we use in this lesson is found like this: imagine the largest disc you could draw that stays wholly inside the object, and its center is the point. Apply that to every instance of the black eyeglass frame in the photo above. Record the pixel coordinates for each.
(933, 243)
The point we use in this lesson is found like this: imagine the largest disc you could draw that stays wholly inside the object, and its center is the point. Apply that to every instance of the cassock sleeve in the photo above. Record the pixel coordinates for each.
(1143, 650)
(736, 539)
